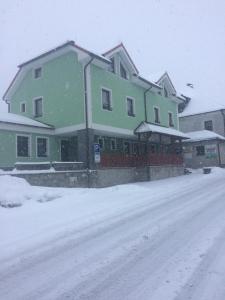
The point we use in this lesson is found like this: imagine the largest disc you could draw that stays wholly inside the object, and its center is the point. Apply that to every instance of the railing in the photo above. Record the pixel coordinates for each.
(123, 160)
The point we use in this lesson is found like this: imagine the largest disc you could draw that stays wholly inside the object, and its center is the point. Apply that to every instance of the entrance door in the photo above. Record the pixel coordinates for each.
(65, 150)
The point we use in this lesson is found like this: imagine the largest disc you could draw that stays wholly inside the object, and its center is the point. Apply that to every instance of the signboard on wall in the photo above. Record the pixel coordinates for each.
(210, 151)
(97, 155)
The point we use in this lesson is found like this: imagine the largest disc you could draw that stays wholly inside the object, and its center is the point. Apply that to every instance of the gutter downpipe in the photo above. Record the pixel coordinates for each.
(146, 120)
(86, 120)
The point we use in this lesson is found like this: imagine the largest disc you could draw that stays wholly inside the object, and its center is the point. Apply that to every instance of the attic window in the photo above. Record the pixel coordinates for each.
(112, 67)
(123, 72)
(166, 93)
(37, 73)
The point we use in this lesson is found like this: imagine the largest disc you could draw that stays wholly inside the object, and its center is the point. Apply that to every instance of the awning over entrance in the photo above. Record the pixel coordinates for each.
(145, 127)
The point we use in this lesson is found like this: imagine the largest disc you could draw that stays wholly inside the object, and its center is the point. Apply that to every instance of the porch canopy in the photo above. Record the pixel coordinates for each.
(145, 127)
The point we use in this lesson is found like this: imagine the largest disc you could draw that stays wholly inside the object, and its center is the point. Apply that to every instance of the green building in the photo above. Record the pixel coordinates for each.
(68, 102)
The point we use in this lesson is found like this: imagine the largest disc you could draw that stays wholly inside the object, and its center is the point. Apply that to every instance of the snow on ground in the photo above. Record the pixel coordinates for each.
(162, 240)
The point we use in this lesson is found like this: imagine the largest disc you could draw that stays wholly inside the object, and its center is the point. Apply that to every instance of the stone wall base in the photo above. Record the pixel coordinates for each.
(101, 177)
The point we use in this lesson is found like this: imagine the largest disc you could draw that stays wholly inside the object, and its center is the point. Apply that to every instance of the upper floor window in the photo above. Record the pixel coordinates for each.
(209, 125)
(23, 146)
(112, 67)
(42, 147)
(156, 114)
(130, 107)
(171, 123)
(123, 72)
(23, 107)
(106, 99)
(166, 93)
(38, 107)
(37, 72)
(9, 108)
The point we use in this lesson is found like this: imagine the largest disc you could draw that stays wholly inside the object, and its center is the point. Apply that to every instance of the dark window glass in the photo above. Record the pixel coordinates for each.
(123, 72)
(42, 150)
(22, 146)
(112, 64)
(130, 107)
(165, 92)
(200, 150)
(37, 72)
(153, 148)
(23, 107)
(126, 147)
(113, 144)
(135, 149)
(38, 107)
(156, 112)
(101, 143)
(209, 125)
(171, 124)
(106, 100)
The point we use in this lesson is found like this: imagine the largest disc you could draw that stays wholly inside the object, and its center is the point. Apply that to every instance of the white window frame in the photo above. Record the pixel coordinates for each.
(39, 67)
(103, 142)
(110, 99)
(113, 139)
(21, 103)
(154, 114)
(47, 145)
(134, 107)
(29, 145)
(34, 99)
(170, 112)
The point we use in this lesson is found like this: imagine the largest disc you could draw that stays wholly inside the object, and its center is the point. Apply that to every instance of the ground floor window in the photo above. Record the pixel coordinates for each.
(23, 146)
(101, 143)
(200, 150)
(126, 147)
(42, 147)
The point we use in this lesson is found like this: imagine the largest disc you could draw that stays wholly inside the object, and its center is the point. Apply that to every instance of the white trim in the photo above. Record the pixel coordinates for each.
(26, 128)
(134, 107)
(33, 100)
(115, 130)
(21, 103)
(36, 68)
(47, 146)
(111, 102)
(89, 98)
(154, 114)
(29, 146)
(69, 129)
(170, 112)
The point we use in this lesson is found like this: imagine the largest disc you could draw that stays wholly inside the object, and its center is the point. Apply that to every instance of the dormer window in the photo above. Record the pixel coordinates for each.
(166, 93)
(37, 73)
(123, 72)
(171, 123)
(112, 67)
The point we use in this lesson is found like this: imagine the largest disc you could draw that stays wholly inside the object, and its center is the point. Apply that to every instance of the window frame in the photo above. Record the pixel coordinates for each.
(34, 107)
(156, 107)
(113, 140)
(208, 122)
(35, 70)
(110, 99)
(47, 146)
(199, 153)
(25, 107)
(133, 106)
(29, 145)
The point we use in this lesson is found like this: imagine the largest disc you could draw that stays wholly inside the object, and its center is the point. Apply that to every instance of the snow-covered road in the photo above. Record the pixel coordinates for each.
(162, 240)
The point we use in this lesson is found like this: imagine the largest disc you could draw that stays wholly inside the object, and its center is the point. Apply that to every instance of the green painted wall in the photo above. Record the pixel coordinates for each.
(121, 88)
(8, 148)
(61, 86)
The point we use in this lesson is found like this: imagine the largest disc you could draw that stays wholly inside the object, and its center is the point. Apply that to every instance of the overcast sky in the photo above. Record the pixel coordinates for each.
(186, 38)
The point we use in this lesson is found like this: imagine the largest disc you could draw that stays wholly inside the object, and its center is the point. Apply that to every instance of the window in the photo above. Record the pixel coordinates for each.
(166, 93)
(130, 107)
(123, 72)
(209, 125)
(42, 147)
(101, 143)
(200, 150)
(106, 99)
(156, 113)
(9, 108)
(135, 149)
(23, 146)
(38, 110)
(153, 148)
(171, 124)
(22, 107)
(112, 67)
(37, 73)
(113, 144)
(126, 147)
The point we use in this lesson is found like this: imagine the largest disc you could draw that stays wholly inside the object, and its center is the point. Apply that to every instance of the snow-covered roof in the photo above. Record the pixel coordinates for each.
(147, 127)
(20, 120)
(203, 135)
